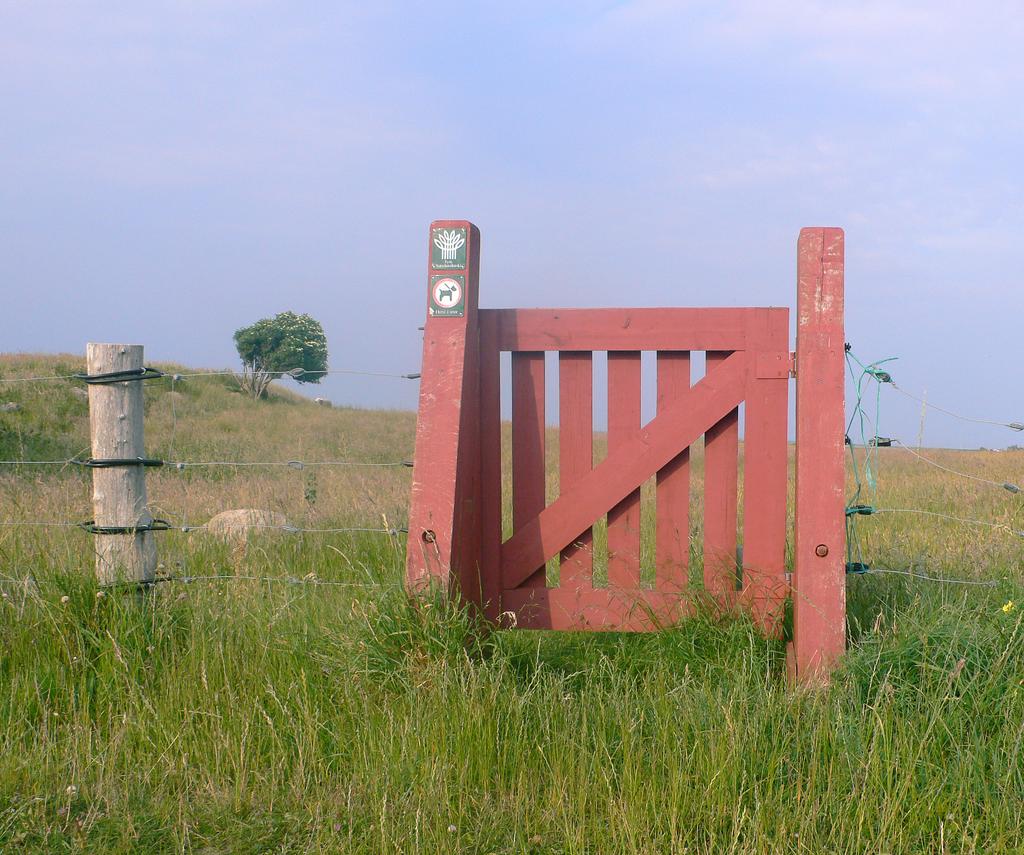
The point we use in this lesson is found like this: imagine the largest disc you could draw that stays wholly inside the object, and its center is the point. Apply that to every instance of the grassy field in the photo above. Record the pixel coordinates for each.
(286, 716)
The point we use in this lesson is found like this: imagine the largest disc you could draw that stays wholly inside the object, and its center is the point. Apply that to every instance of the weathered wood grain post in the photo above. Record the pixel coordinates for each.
(119, 490)
(819, 576)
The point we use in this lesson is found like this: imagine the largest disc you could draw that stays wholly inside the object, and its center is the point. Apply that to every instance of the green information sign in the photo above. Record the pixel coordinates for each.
(448, 249)
(448, 296)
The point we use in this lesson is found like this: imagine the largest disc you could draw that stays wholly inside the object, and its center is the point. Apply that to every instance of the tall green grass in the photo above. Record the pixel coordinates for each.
(286, 716)
(233, 717)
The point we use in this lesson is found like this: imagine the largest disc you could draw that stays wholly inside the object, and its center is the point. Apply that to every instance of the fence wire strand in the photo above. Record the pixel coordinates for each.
(206, 529)
(964, 520)
(860, 418)
(186, 578)
(1003, 485)
(1017, 426)
(180, 465)
(294, 373)
(946, 580)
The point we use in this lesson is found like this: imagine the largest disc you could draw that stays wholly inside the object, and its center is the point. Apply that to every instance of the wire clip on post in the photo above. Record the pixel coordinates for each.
(860, 510)
(156, 525)
(144, 373)
(880, 442)
(857, 568)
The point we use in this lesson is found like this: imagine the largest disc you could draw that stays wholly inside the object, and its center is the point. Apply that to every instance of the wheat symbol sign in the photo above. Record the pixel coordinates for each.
(449, 242)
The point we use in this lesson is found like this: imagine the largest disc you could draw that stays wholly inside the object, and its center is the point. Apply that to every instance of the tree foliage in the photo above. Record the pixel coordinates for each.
(284, 344)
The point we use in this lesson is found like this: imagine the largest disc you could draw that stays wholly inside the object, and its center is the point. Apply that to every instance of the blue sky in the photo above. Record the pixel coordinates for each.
(170, 171)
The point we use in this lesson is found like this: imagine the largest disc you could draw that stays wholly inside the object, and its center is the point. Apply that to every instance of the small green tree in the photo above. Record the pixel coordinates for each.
(284, 344)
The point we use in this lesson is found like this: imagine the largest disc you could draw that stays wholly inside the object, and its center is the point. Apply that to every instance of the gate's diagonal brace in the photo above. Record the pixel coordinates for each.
(650, 448)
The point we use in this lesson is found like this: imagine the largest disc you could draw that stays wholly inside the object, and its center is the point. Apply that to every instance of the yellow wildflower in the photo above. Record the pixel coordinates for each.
(1009, 607)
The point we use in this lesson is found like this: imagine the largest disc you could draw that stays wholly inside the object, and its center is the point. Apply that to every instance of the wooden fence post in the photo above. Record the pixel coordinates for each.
(119, 492)
(819, 575)
(444, 514)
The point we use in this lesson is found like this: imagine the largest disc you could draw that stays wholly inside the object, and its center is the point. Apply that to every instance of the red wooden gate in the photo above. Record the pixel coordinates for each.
(456, 518)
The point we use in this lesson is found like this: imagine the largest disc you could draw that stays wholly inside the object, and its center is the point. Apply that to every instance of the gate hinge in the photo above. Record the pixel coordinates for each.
(792, 364)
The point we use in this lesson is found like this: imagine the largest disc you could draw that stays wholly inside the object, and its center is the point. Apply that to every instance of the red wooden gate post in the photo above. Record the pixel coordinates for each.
(444, 524)
(819, 577)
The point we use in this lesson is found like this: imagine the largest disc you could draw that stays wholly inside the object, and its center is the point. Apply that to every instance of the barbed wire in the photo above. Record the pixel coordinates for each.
(294, 373)
(310, 579)
(285, 580)
(291, 529)
(64, 462)
(205, 527)
(37, 524)
(37, 379)
(291, 464)
(181, 465)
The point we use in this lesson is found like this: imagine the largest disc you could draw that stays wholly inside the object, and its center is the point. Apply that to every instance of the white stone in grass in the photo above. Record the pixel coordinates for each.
(239, 523)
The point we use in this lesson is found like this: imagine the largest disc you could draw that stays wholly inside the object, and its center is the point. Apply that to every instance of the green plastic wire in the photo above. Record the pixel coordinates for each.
(868, 373)
(868, 480)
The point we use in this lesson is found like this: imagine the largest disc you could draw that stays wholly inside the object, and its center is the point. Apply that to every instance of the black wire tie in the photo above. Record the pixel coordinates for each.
(144, 373)
(113, 462)
(156, 525)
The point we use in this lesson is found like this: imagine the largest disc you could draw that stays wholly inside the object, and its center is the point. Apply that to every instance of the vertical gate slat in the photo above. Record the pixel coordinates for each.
(721, 456)
(528, 494)
(490, 466)
(623, 421)
(672, 513)
(576, 455)
(765, 470)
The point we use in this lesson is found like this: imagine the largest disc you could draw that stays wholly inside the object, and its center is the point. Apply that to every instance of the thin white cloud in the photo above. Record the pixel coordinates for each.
(926, 49)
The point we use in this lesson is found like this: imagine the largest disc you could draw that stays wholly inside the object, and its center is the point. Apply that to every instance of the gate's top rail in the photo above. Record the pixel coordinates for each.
(627, 329)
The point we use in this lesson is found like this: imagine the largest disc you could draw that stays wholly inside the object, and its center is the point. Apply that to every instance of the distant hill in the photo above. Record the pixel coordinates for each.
(195, 418)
